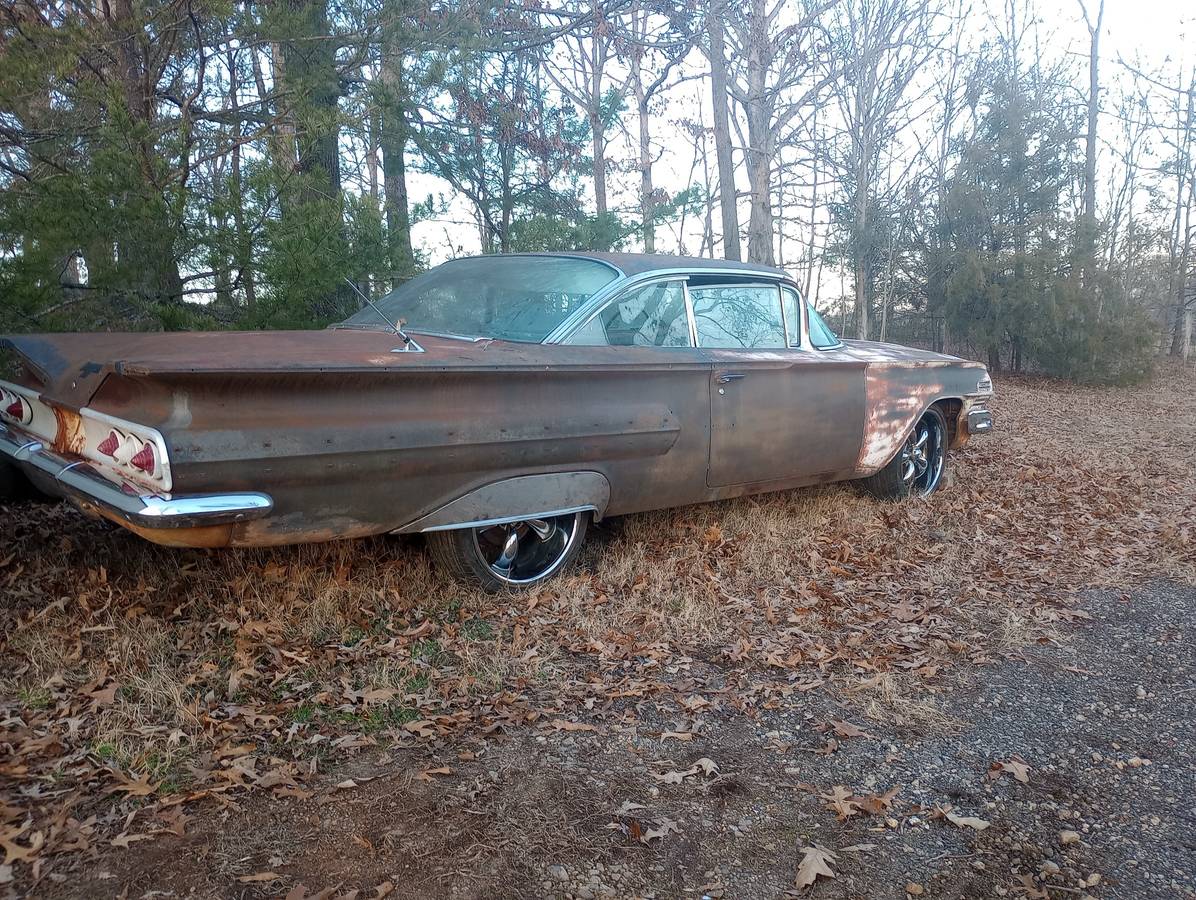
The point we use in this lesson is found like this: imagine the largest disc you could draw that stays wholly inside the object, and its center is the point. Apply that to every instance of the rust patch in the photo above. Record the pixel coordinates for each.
(70, 437)
(204, 536)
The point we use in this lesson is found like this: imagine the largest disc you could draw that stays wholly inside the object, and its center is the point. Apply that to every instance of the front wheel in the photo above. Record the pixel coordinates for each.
(511, 555)
(918, 469)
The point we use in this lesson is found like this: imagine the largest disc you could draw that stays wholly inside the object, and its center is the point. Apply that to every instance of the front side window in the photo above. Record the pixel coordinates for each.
(513, 298)
(821, 335)
(650, 316)
(744, 316)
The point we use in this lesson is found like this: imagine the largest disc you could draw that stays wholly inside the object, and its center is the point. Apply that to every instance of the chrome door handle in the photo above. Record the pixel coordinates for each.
(727, 377)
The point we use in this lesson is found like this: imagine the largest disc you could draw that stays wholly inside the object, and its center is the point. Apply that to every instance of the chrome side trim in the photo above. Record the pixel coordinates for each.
(82, 483)
(518, 498)
(505, 520)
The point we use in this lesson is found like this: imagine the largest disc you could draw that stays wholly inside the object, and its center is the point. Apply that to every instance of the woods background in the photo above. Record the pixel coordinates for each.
(932, 173)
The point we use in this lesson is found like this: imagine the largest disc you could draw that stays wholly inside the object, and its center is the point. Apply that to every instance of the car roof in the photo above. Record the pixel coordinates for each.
(644, 263)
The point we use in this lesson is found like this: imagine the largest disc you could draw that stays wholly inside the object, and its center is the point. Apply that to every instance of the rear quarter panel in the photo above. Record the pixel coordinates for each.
(350, 454)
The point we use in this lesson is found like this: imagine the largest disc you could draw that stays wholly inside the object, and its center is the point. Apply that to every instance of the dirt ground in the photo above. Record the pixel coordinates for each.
(990, 694)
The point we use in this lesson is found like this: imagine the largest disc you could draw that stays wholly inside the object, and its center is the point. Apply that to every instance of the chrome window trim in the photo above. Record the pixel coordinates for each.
(583, 313)
(803, 342)
(689, 315)
(785, 332)
(629, 286)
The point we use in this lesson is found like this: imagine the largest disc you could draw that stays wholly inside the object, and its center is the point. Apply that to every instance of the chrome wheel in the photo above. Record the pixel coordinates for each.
(922, 457)
(519, 553)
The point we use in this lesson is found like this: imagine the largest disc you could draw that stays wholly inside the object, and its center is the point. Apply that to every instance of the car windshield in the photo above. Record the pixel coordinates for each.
(512, 298)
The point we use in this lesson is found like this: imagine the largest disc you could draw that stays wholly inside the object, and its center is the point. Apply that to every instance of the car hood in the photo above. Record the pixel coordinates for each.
(877, 352)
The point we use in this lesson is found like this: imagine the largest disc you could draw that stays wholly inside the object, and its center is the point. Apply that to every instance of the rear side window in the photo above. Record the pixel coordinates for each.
(651, 316)
(738, 317)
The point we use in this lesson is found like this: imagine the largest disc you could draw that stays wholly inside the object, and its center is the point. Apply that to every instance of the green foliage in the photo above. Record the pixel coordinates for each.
(551, 233)
(1004, 276)
(1109, 343)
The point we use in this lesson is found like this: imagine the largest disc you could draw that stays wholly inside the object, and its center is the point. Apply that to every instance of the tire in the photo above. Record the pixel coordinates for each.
(894, 481)
(541, 549)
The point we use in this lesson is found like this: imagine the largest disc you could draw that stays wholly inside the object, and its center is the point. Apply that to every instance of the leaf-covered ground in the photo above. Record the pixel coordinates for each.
(785, 693)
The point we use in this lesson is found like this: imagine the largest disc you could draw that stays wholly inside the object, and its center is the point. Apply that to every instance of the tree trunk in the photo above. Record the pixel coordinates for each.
(722, 130)
(1087, 236)
(244, 241)
(393, 141)
(147, 255)
(311, 70)
(759, 152)
(647, 199)
(647, 191)
(598, 147)
(761, 225)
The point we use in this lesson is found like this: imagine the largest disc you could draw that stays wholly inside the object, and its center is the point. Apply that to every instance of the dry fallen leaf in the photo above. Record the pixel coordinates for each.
(258, 877)
(967, 821)
(662, 828)
(841, 802)
(1017, 767)
(673, 777)
(847, 730)
(563, 725)
(815, 863)
(676, 735)
(429, 774)
(139, 787)
(124, 839)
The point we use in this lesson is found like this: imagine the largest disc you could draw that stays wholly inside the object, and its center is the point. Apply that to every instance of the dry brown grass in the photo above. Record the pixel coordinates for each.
(119, 659)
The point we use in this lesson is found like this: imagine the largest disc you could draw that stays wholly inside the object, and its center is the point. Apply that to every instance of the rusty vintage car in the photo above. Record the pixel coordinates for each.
(497, 403)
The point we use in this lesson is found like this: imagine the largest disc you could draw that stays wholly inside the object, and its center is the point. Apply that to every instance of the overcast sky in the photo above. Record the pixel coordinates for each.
(1157, 34)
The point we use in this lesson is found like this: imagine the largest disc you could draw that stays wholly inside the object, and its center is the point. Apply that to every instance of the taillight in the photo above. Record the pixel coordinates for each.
(129, 450)
(145, 459)
(109, 445)
(15, 407)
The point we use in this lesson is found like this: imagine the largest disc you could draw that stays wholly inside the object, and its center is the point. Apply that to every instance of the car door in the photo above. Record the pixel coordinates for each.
(778, 412)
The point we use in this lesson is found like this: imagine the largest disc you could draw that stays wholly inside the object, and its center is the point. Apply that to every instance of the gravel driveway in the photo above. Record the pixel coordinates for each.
(1102, 724)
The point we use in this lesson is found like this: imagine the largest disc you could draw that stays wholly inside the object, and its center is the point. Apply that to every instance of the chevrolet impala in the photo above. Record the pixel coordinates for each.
(497, 403)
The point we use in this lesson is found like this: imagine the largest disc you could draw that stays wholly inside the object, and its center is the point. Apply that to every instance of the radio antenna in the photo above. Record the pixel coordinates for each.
(394, 326)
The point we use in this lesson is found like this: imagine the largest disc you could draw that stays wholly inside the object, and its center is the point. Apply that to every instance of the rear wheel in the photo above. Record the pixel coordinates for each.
(918, 469)
(511, 555)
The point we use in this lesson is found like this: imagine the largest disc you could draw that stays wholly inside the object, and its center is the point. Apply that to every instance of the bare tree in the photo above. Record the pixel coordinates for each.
(719, 98)
(781, 66)
(582, 73)
(883, 44)
(653, 45)
(1087, 230)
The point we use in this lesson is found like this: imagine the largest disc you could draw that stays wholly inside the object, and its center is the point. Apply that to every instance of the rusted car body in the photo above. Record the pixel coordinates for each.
(263, 438)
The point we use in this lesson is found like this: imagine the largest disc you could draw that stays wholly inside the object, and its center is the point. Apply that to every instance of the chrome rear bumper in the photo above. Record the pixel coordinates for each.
(84, 484)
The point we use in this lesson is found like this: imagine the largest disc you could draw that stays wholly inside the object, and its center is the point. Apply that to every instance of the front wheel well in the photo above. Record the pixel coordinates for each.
(951, 408)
